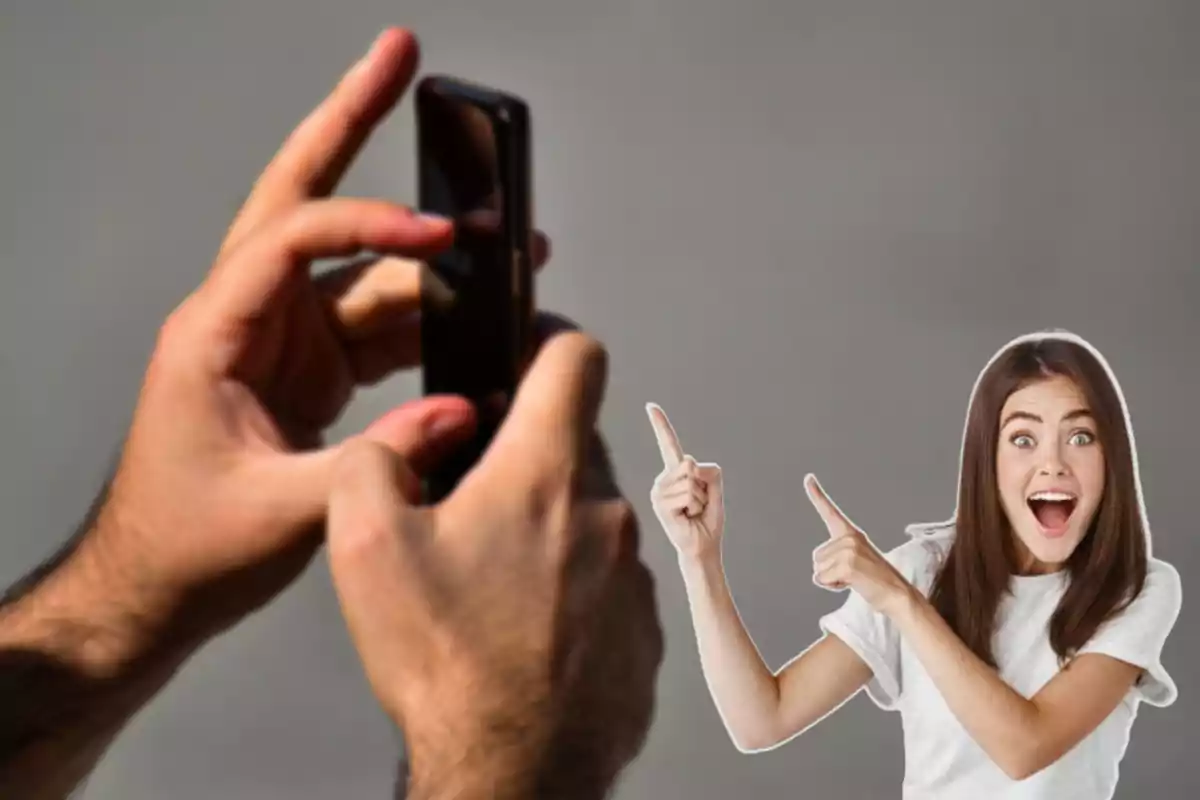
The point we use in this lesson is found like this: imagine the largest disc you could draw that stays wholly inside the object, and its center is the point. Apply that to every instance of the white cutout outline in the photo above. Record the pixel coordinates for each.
(920, 529)
(916, 530)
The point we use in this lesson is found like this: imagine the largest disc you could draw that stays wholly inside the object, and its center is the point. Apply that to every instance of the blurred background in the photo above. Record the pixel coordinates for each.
(802, 227)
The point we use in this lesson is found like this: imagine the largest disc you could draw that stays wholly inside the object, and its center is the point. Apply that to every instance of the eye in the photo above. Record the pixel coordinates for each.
(1082, 438)
(1022, 440)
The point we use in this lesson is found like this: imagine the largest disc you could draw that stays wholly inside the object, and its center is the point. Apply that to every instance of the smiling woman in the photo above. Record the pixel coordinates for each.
(1016, 639)
(1048, 424)
(1048, 458)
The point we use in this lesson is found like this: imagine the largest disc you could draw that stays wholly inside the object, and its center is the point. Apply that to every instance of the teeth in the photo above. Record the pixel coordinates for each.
(1051, 496)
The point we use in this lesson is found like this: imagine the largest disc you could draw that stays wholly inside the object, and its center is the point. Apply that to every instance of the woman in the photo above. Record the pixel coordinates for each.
(1016, 639)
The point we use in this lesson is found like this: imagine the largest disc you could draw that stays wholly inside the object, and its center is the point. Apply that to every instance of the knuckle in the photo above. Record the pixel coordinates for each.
(175, 340)
(547, 503)
(619, 522)
(292, 226)
(360, 456)
(621, 513)
(342, 118)
(361, 539)
(176, 326)
(579, 346)
(362, 463)
(590, 352)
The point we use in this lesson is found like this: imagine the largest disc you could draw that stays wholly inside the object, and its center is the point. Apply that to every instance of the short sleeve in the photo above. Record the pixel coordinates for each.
(1138, 634)
(871, 635)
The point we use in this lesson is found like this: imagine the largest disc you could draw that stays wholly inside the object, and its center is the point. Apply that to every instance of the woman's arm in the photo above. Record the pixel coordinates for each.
(1022, 736)
(762, 710)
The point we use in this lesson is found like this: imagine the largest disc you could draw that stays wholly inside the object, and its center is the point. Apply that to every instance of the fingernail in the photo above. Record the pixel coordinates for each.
(376, 44)
(441, 424)
(364, 60)
(432, 220)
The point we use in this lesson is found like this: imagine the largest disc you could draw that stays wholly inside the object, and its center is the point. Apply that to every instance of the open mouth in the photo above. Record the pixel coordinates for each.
(1052, 510)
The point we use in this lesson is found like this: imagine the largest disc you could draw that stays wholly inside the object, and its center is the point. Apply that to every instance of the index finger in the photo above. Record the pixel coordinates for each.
(321, 149)
(668, 442)
(836, 521)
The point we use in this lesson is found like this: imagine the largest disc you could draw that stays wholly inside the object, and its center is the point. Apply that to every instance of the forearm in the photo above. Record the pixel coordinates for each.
(1004, 723)
(72, 673)
(57, 725)
(482, 760)
(743, 688)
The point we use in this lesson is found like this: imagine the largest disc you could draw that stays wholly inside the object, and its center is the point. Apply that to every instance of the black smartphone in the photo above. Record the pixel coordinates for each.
(477, 304)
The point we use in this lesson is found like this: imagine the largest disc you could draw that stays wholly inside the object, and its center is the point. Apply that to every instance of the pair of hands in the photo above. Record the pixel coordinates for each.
(509, 625)
(689, 501)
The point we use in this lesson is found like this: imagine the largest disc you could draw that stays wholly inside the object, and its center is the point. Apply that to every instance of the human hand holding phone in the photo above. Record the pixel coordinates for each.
(510, 630)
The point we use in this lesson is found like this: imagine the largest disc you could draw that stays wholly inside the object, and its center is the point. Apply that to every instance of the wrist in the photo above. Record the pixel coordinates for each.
(904, 604)
(474, 766)
(477, 739)
(77, 661)
(701, 565)
(88, 616)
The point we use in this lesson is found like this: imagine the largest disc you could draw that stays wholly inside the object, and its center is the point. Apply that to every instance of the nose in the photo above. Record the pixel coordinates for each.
(1054, 465)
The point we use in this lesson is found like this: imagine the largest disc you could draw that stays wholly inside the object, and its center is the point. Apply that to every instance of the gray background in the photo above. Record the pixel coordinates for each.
(802, 227)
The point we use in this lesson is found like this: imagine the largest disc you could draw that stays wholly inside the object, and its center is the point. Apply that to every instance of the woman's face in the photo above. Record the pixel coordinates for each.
(1050, 471)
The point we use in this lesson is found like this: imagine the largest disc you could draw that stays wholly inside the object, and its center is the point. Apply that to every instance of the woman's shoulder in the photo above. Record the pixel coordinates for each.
(1155, 606)
(1162, 571)
(1163, 585)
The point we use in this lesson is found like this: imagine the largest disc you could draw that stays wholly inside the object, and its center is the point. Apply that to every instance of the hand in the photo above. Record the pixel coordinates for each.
(687, 497)
(849, 559)
(511, 631)
(220, 496)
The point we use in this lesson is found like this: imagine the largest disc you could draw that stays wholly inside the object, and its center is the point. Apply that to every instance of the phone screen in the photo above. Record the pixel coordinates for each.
(471, 326)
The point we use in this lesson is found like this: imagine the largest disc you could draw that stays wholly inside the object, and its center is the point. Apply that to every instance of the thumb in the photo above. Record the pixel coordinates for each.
(420, 431)
(367, 531)
(367, 494)
(373, 487)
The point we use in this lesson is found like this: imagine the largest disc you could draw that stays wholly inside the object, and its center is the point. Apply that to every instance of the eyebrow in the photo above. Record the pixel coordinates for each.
(1026, 415)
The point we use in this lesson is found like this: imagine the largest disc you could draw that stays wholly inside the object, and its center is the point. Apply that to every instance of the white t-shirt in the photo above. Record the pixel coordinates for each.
(941, 760)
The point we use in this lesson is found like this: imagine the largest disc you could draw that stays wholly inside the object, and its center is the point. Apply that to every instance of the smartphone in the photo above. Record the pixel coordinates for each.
(477, 302)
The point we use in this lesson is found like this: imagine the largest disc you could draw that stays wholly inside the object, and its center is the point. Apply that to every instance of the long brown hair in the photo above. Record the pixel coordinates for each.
(1108, 568)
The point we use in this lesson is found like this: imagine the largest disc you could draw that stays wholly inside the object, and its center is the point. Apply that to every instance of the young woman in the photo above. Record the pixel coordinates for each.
(1016, 639)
